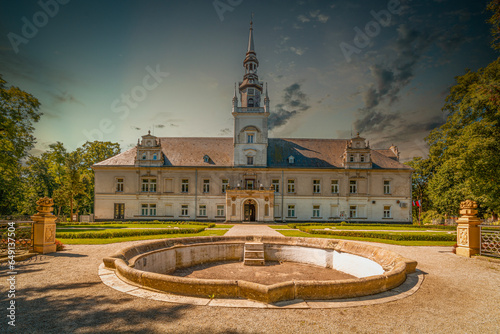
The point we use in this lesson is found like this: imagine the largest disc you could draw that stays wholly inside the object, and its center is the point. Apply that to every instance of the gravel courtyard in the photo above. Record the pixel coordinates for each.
(62, 293)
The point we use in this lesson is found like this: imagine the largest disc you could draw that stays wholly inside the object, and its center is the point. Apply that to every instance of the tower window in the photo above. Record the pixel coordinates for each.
(250, 102)
(251, 91)
(250, 138)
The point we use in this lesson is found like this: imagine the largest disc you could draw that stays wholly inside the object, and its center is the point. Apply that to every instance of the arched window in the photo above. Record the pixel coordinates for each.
(144, 156)
(291, 159)
(155, 156)
(250, 102)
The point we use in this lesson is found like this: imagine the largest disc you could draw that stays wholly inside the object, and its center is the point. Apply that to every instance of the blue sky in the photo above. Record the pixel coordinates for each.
(86, 59)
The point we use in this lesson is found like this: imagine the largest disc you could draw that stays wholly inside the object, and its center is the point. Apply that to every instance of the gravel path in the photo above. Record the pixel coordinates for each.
(62, 293)
(259, 230)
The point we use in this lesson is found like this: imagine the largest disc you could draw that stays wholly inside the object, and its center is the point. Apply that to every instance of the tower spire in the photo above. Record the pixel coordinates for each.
(250, 38)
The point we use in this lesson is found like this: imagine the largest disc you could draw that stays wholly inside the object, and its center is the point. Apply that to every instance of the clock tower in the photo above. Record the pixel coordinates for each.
(250, 116)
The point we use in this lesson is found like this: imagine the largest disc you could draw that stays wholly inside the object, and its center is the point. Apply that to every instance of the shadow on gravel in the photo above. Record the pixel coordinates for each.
(63, 254)
(87, 308)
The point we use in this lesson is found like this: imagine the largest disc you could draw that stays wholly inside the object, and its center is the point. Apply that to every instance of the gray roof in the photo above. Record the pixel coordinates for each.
(308, 153)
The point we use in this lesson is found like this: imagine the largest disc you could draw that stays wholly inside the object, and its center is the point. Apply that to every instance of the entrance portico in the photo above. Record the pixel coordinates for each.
(250, 205)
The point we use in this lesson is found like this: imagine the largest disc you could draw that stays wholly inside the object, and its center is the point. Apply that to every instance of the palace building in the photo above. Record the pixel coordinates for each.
(252, 177)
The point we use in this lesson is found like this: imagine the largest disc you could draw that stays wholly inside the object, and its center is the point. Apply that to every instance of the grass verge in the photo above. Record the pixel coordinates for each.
(142, 237)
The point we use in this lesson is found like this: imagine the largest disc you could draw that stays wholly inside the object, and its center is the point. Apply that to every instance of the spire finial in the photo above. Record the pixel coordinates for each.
(250, 39)
(267, 96)
(234, 96)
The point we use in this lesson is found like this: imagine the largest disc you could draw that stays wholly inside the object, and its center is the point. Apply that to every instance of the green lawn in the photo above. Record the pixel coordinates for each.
(280, 227)
(293, 233)
(223, 226)
(144, 237)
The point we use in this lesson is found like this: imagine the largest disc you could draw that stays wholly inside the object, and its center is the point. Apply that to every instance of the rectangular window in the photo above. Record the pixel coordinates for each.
(203, 211)
(276, 185)
(335, 186)
(387, 211)
(220, 210)
(291, 211)
(387, 187)
(168, 185)
(351, 158)
(148, 185)
(250, 184)
(353, 211)
(185, 185)
(148, 209)
(316, 186)
(250, 138)
(206, 186)
(250, 161)
(119, 185)
(251, 91)
(225, 184)
(362, 158)
(184, 210)
(353, 186)
(291, 186)
(316, 211)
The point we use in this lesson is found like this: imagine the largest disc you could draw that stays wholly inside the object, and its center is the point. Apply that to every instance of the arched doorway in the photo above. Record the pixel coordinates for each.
(249, 210)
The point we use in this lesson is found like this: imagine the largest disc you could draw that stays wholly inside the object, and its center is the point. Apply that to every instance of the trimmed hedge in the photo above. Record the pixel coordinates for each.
(209, 225)
(125, 233)
(437, 227)
(384, 235)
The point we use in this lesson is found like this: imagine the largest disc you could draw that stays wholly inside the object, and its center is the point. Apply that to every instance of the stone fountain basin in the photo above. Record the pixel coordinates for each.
(148, 265)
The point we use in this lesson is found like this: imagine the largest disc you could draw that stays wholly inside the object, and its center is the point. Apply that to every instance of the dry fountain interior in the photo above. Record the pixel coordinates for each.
(150, 264)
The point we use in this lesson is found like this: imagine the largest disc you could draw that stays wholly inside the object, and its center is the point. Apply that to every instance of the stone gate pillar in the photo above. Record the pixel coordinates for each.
(468, 234)
(44, 227)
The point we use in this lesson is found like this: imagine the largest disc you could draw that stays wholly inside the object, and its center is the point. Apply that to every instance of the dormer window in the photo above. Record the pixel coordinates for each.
(291, 160)
(206, 159)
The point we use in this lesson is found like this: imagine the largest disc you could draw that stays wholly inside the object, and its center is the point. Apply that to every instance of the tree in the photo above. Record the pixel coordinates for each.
(92, 153)
(466, 149)
(18, 112)
(494, 6)
(72, 184)
(422, 171)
